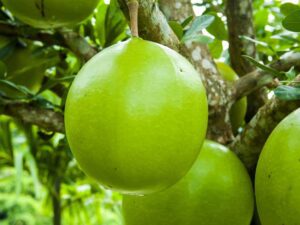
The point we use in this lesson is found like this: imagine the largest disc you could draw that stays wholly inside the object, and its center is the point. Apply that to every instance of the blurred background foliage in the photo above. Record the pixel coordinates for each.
(39, 178)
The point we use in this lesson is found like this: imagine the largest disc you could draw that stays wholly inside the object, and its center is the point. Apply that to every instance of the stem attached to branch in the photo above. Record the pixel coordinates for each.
(133, 6)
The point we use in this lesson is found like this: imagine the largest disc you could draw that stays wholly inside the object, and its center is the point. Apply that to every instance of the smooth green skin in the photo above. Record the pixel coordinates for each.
(277, 183)
(25, 68)
(216, 191)
(136, 117)
(51, 13)
(239, 109)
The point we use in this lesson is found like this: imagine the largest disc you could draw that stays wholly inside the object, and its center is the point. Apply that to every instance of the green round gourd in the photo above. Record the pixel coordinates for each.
(217, 190)
(136, 117)
(51, 13)
(277, 183)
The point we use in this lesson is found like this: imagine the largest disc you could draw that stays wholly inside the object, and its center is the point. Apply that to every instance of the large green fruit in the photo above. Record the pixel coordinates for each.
(51, 13)
(277, 180)
(216, 191)
(239, 109)
(136, 117)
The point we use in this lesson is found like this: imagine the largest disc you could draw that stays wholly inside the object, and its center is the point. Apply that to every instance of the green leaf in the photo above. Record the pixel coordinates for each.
(288, 8)
(18, 163)
(31, 163)
(177, 28)
(216, 48)
(291, 74)
(110, 23)
(3, 70)
(292, 21)
(287, 93)
(288, 38)
(52, 82)
(218, 28)
(200, 23)
(187, 21)
(200, 38)
(17, 88)
(261, 18)
(7, 48)
(263, 67)
(6, 137)
(261, 43)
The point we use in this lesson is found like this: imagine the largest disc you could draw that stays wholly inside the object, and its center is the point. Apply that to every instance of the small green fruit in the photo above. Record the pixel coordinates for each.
(239, 109)
(51, 13)
(136, 117)
(277, 183)
(216, 191)
(26, 67)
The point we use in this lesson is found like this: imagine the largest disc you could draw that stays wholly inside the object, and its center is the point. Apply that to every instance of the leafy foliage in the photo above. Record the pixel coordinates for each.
(33, 160)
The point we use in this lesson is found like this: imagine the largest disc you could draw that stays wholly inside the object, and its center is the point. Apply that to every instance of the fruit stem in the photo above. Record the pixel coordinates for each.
(133, 6)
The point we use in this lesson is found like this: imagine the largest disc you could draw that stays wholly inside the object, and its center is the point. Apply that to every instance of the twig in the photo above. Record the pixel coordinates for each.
(32, 113)
(133, 6)
(64, 38)
(258, 78)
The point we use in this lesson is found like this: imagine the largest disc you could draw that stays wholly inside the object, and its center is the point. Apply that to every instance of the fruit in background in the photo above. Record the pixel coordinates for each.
(239, 109)
(25, 66)
(3, 41)
(51, 13)
(136, 117)
(217, 190)
(277, 181)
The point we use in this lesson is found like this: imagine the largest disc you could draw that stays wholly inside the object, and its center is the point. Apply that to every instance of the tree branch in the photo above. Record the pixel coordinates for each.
(217, 89)
(258, 78)
(77, 44)
(250, 142)
(239, 20)
(32, 113)
(153, 25)
(64, 38)
(239, 15)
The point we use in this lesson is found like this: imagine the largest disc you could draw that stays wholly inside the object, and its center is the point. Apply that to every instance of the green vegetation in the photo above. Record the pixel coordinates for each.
(89, 113)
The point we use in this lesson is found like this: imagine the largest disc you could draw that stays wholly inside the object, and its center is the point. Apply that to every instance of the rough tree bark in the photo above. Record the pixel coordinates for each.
(239, 20)
(32, 113)
(153, 24)
(249, 144)
(217, 89)
(240, 23)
